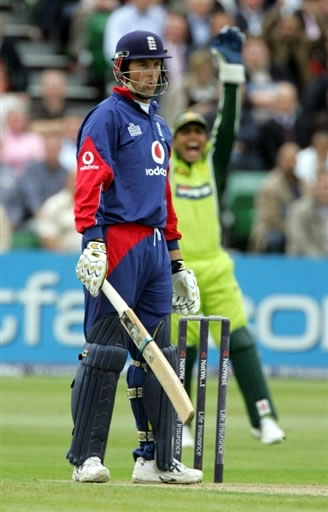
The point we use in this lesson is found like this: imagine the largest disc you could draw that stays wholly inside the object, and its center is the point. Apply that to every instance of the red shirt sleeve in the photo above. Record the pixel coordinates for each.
(93, 176)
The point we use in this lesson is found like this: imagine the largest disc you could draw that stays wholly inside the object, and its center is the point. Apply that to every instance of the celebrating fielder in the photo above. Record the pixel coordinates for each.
(199, 172)
(123, 208)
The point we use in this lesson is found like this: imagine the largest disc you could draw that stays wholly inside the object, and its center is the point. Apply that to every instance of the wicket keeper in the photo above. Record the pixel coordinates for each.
(199, 173)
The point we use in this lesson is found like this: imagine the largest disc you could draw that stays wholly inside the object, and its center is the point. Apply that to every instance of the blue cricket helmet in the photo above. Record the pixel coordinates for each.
(140, 44)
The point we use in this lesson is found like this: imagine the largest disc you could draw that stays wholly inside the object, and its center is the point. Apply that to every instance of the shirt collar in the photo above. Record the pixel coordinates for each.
(126, 93)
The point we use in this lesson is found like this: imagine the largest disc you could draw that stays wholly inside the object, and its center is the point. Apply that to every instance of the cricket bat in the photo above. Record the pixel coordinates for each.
(152, 355)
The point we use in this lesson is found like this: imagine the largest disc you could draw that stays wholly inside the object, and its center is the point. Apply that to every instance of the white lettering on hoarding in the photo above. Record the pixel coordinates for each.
(34, 297)
(67, 316)
(10, 327)
(288, 343)
(24, 316)
(316, 322)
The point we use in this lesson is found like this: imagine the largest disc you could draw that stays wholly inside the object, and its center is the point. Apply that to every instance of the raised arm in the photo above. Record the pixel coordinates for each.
(227, 46)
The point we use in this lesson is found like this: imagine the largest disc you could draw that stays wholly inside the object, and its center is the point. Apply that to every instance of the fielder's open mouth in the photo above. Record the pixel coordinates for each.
(193, 148)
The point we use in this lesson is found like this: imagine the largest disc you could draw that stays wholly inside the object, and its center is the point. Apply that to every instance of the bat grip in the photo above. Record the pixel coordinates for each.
(144, 343)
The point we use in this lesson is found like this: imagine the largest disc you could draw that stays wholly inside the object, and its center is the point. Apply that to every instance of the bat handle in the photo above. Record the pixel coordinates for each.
(145, 342)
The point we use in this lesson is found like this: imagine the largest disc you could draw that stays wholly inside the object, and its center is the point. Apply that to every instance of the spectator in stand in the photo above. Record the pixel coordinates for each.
(10, 204)
(289, 47)
(134, 14)
(199, 19)
(76, 36)
(228, 6)
(307, 221)
(219, 20)
(249, 16)
(52, 104)
(19, 143)
(41, 179)
(54, 222)
(261, 76)
(311, 14)
(10, 198)
(314, 115)
(313, 160)
(323, 8)
(69, 128)
(98, 69)
(246, 154)
(13, 73)
(11, 102)
(278, 190)
(283, 125)
(13, 77)
(54, 18)
(177, 39)
(199, 89)
(86, 42)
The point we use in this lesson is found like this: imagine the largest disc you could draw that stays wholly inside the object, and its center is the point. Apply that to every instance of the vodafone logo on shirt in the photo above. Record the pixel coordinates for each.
(88, 158)
(157, 152)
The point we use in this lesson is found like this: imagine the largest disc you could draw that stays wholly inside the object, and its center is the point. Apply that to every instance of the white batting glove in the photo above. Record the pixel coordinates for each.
(185, 298)
(91, 269)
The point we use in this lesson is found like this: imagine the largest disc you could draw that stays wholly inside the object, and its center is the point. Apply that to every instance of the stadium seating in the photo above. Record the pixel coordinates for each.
(238, 205)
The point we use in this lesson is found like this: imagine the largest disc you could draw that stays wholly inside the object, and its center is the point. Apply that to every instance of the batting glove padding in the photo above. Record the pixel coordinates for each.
(185, 298)
(91, 268)
(227, 45)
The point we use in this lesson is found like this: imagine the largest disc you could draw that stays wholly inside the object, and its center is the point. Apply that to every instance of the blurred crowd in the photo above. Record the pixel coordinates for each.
(283, 132)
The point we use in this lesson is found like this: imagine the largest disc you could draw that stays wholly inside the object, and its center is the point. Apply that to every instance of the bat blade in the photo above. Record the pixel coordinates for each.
(159, 365)
(152, 355)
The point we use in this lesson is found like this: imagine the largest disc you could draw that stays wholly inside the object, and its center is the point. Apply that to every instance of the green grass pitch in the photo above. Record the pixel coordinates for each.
(35, 435)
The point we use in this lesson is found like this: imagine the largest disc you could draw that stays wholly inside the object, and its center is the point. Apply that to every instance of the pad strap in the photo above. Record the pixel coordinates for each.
(134, 393)
(138, 364)
(145, 437)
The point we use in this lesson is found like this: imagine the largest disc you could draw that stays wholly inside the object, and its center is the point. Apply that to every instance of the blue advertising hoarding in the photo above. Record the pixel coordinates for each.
(286, 299)
(287, 304)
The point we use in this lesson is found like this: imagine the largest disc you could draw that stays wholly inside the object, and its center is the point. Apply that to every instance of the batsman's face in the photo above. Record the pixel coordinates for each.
(144, 75)
(189, 142)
